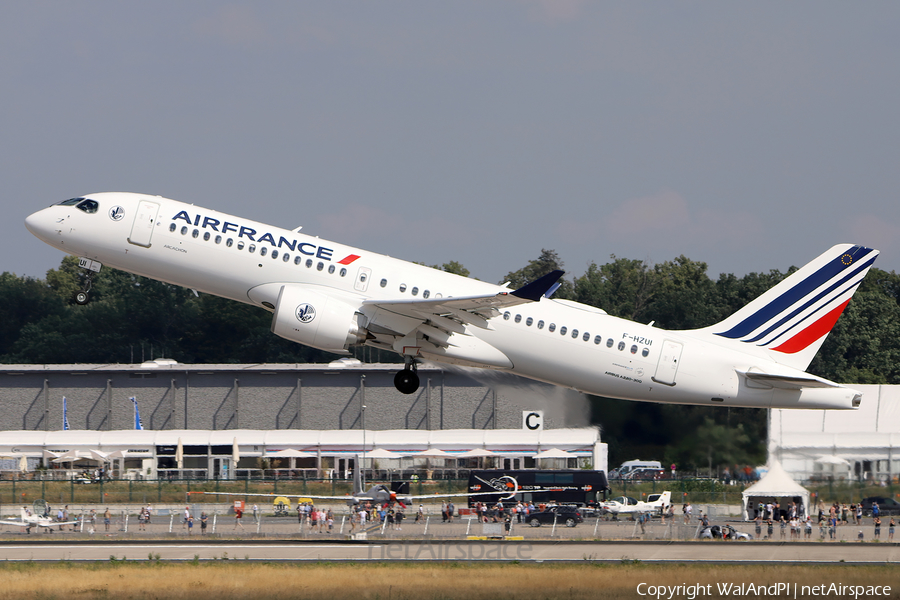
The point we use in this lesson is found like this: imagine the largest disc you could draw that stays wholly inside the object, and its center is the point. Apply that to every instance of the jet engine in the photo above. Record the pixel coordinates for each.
(315, 319)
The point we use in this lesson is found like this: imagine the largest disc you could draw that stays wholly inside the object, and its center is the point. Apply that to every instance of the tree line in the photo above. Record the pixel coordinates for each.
(132, 319)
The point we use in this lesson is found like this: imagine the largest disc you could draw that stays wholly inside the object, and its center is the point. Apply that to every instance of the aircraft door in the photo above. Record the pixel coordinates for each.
(362, 279)
(668, 362)
(144, 221)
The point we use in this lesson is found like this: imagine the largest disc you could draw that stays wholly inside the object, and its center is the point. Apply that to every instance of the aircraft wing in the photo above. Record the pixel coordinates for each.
(17, 523)
(788, 382)
(471, 310)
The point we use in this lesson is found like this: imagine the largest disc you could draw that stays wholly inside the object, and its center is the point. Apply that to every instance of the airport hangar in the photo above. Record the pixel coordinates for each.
(209, 415)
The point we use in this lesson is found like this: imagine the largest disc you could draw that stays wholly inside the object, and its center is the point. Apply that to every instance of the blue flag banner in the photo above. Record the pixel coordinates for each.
(137, 415)
(65, 415)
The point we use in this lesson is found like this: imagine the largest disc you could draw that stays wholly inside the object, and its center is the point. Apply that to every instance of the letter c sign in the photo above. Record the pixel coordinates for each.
(533, 420)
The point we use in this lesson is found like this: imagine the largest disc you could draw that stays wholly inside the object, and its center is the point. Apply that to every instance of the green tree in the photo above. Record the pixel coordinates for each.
(623, 287)
(23, 300)
(548, 261)
(684, 297)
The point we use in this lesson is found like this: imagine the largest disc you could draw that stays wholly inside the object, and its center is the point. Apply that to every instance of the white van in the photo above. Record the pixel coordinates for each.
(630, 465)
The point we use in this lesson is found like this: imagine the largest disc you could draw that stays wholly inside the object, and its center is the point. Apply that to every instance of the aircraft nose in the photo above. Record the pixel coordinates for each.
(39, 223)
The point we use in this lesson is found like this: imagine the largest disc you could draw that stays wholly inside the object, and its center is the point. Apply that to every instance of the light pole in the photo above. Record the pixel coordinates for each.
(363, 469)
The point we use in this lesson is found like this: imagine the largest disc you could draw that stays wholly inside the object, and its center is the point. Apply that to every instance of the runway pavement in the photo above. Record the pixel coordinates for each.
(284, 539)
(447, 550)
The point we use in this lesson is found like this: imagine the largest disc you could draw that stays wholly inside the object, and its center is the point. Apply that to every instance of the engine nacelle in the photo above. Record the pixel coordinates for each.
(315, 319)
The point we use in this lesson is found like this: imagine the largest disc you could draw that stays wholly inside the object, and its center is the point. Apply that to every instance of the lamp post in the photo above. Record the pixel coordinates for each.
(363, 469)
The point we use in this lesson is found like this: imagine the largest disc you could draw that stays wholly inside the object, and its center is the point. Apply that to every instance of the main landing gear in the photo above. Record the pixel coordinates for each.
(407, 380)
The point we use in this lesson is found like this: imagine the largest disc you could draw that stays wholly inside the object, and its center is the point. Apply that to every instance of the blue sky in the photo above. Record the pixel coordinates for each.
(751, 136)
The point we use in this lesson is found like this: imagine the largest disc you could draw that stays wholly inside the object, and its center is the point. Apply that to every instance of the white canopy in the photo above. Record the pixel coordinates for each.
(291, 453)
(476, 453)
(776, 483)
(382, 453)
(553, 453)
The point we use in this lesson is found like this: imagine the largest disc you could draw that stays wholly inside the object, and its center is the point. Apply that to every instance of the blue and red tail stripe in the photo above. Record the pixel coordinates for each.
(833, 282)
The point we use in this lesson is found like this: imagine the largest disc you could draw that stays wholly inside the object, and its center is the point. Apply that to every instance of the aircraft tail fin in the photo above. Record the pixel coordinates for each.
(791, 320)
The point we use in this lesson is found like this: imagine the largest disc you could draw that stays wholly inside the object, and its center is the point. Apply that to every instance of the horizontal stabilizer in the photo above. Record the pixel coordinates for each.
(788, 382)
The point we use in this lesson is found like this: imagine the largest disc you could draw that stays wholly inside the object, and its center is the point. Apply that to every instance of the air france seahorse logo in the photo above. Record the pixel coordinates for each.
(305, 313)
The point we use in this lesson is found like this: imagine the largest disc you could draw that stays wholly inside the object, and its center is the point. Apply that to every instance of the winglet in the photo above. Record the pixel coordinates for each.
(540, 286)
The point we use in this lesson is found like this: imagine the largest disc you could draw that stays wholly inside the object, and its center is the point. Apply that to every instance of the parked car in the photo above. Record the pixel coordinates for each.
(568, 515)
(723, 532)
(886, 506)
(646, 474)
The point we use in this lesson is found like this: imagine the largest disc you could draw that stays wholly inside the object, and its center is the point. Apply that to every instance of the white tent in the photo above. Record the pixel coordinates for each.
(777, 485)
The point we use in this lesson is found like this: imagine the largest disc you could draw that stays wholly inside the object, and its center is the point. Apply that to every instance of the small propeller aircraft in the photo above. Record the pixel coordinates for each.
(381, 494)
(27, 520)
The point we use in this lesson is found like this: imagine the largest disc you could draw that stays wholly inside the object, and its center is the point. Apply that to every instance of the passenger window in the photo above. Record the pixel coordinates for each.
(309, 263)
(540, 324)
(506, 316)
(298, 259)
(274, 253)
(251, 248)
(598, 339)
(609, 343)
(414, 291)
(563, 330)
(402, 287)
(586, 336)
(229, 242)
(320, 266)
(195, 233)
(240, 245)
(426, 293)
(343, 272)
(645, 352)
(574, 333)
(331, 269)
(262, 251)
(518, 318)
(529, 321)
(383, 282)
(552, 327)
(184, 231)
(218, 239)
(206, 236)
(172, 227)
(88, 206)
(634, 349)
(621, 346)
(286, 257)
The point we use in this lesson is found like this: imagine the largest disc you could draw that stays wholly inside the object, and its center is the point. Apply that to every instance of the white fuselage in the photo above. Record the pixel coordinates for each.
(211, 252)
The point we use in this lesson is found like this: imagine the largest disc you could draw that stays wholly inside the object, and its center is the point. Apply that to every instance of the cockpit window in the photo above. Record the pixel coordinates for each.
(88, 206)
(70, 202)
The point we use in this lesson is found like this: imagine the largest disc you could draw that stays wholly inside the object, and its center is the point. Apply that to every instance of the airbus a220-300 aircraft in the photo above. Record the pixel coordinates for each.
(331, 296)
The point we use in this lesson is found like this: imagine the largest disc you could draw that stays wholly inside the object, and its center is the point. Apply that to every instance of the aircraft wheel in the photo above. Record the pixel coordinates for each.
(406, 381)
(534, 523)
(82, 298)
(570, 522)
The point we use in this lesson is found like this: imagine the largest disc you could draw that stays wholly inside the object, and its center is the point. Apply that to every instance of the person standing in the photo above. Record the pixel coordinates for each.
(107, 517)
(203, 520)
(891, 526)
(420, 514)
(190, 524)
(238, 515)
(877, 522)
